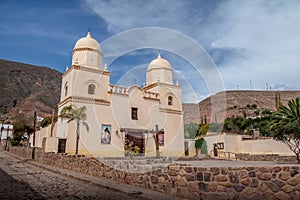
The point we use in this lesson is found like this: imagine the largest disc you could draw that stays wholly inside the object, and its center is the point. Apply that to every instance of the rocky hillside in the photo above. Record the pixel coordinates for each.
(25, 88)
(242, 103)
(191, 113)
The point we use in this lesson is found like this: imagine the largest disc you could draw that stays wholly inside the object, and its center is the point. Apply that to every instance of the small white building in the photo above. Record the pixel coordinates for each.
(226, 145)
(117, 115)
(6, 131)
(222, 144)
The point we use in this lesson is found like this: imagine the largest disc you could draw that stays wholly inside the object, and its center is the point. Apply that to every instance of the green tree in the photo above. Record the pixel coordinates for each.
(235, 124)
(200, 144)
(78, 115)
(130, 149)
(20, 127)
(202, 129)
(286, 126)
(48, 120)
(190, 130)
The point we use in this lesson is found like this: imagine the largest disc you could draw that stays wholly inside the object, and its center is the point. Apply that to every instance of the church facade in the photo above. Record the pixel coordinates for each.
(149, 117)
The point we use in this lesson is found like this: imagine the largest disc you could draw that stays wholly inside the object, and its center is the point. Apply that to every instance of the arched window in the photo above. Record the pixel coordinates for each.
(91, 89)
(66, 89)
(170, 100)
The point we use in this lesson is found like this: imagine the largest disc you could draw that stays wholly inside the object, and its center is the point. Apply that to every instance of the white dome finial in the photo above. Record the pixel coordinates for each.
(88, 35)
(158, 55)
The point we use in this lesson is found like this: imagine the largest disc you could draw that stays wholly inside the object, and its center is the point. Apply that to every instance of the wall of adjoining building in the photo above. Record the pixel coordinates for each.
(265, 146)
(234, 143)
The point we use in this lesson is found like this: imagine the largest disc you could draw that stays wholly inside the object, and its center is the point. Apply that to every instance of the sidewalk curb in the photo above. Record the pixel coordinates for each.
(143, 193)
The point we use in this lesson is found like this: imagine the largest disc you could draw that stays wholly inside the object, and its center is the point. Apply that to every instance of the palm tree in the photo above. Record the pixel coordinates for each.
(286, 126)
(78, 115)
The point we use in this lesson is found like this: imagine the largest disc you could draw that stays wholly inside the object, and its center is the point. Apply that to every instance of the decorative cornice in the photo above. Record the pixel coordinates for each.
(149, 70)
(87, 69)
(148, 87)
(83, 100)
(86, 49)
(151, 98)
(173, 111)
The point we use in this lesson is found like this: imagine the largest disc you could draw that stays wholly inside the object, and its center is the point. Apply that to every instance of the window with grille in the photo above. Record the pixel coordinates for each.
(170, 100)
(134, 113)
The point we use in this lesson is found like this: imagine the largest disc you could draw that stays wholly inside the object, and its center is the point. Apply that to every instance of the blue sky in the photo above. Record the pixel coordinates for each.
(252, 43)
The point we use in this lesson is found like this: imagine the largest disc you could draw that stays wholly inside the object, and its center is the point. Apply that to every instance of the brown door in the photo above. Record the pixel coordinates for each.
(186, 148)
(61, 145)
(138, 140)
(215, 150)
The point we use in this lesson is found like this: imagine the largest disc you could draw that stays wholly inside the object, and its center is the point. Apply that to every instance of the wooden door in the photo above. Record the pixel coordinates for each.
(138, 140)
(61, 145)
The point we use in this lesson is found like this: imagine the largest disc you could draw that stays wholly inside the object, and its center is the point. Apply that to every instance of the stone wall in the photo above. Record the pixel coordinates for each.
(278, 182)
(266, 157)
(23, 152)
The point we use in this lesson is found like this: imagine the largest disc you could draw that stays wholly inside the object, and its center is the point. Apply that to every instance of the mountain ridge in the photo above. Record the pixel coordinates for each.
(25, 88)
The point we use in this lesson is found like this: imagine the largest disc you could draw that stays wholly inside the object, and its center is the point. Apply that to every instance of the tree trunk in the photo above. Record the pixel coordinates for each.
(77, 137)
(156, 144)
(298, 159)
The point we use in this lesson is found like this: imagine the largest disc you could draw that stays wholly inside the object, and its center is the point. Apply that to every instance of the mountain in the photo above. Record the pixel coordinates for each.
(243, 103)
(191, 113)
(26, 88)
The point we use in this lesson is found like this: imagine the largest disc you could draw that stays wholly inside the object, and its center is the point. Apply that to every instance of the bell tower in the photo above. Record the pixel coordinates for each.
(159, 70)
(85, 79)
(87, 52)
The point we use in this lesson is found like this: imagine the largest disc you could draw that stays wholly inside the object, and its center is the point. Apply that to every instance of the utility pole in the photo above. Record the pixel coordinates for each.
(52, 123)
(33, 142)
(7, 137)
(1, 130)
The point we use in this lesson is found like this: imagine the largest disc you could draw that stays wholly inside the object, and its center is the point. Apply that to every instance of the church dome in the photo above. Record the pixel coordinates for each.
(88, 42)
(159, 63)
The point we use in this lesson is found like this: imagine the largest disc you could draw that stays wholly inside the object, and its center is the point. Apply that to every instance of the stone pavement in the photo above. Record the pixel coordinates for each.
(13, 189)
(28, 179)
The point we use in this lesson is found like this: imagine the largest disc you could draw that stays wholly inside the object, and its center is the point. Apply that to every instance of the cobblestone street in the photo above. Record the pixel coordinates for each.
(21, 180)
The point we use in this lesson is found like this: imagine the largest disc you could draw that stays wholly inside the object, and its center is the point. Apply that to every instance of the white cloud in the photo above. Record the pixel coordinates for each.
(257, 40)
(268, 36)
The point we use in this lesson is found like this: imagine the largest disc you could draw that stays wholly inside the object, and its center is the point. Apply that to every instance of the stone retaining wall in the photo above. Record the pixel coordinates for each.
(278, 182)
(266, 157)
(23, 152)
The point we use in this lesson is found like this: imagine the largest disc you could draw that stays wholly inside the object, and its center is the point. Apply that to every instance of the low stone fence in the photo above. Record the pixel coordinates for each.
(277, 182)
(266, 157)
(24, 152)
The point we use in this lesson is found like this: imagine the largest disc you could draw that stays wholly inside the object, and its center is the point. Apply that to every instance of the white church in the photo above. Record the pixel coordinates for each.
(116, 115)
